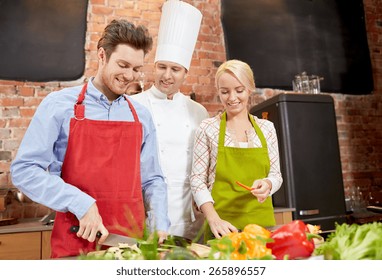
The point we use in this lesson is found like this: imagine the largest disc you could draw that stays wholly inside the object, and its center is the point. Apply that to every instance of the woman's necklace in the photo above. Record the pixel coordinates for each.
(239, 130)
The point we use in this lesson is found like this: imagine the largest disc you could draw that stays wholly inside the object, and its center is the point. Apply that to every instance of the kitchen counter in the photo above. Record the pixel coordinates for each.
(26, 225)
(29, 239)
(34, 224)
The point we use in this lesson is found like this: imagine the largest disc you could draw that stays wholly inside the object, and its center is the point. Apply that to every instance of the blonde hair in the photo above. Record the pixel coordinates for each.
(241, 70)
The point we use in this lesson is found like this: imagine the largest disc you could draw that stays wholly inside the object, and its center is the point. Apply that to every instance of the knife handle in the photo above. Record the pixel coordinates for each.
(75, 229)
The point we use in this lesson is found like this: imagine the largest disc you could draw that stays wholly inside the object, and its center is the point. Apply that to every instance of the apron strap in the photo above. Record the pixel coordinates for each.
(135, 115)
(259, 133)
(223, 124)
(79, 108)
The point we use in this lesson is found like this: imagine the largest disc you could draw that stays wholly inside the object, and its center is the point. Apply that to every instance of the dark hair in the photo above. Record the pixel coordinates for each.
(124, 32)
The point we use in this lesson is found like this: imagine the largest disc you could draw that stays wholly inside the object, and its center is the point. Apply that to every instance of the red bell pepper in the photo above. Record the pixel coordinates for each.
(292, 241)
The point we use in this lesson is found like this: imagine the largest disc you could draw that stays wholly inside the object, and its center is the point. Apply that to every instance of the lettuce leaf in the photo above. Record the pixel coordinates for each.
(353, 242)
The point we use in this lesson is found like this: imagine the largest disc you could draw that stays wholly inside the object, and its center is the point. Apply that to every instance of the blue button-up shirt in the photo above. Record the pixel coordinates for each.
(36, 170)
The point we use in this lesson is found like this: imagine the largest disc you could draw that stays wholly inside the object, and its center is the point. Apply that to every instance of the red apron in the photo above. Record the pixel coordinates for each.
(102, 160)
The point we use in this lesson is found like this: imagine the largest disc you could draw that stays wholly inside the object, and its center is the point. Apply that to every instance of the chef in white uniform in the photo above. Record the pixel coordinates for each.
(176, 116)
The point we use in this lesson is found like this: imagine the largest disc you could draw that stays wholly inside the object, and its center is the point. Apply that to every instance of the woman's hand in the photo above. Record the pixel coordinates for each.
(218, 226)
(261, 189)
(221, 227)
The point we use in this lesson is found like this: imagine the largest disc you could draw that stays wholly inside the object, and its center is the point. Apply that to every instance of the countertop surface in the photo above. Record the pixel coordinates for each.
(283, 209)
(34, 224)
(25, 225)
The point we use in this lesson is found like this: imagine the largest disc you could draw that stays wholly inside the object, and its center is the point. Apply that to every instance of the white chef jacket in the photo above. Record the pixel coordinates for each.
(176, 121)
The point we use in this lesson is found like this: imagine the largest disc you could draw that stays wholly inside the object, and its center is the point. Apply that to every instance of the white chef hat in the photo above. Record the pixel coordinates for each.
(178, 31)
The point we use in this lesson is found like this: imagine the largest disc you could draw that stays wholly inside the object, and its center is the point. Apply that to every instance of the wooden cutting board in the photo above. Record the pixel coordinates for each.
(201, 250)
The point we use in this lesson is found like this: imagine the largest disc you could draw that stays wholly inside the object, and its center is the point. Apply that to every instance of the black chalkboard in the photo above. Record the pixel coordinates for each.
(42, 40)
(281, 38)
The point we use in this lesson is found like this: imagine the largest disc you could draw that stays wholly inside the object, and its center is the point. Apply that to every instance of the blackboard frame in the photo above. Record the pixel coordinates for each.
(42, 40)
(281, 38)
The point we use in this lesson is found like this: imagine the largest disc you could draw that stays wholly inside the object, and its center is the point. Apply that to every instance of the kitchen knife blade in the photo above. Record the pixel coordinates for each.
(375, 209)
(112, 239)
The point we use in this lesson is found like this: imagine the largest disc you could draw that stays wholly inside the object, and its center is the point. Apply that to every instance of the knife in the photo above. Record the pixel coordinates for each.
(112, 239)
(375, 209)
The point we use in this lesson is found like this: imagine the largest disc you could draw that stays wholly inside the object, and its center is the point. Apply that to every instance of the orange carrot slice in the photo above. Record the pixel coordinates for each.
(243, 186)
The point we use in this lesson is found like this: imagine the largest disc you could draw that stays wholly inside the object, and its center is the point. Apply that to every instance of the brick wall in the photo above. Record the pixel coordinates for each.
(359, 117)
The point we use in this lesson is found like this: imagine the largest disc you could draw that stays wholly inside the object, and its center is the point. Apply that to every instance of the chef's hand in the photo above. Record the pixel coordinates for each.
(162, 236)
(90, 224)
(218, 226)
(261, 189)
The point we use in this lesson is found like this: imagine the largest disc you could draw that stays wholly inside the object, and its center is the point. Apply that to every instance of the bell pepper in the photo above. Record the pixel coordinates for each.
(292, 241)
(246, 245)
(255, 230)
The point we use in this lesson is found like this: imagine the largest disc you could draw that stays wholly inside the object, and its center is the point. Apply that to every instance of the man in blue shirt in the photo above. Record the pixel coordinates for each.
(90, 152)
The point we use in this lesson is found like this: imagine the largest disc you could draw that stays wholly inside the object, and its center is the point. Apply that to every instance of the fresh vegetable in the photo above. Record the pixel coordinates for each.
(122, 252)
(246, 245)
(292, 241)
(243, 186)
(353, 242)
(174, 248)
(180, 253)
(255, 231)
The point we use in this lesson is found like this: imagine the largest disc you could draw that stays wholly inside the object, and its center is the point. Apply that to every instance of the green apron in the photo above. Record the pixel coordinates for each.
(232, 202)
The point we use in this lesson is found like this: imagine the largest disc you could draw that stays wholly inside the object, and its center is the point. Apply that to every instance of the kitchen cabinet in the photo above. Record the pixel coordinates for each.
(283, 215)
(27, 240)
(45, 244)
(20, 246)
(25, 246)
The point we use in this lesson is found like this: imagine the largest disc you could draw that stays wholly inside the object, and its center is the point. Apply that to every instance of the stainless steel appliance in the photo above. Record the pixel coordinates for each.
(309, 157)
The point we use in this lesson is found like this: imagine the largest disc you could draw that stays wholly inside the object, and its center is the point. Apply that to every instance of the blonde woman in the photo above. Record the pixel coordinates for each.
(232, 147)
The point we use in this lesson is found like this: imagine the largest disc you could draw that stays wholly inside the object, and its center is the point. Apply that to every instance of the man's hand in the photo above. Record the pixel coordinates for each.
(90, 224)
